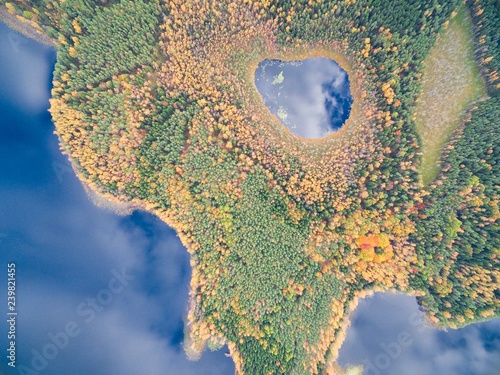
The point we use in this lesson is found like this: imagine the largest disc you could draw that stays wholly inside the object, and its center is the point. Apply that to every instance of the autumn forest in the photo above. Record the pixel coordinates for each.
(154, 102)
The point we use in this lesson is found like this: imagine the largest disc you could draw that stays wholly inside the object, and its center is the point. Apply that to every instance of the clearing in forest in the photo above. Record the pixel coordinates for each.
(450, 83)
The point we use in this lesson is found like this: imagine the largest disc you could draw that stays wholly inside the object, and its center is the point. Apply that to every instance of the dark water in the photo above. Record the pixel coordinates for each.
(68, 254)
(311, 97)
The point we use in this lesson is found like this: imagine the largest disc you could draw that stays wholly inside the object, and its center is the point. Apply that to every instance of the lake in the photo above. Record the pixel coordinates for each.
(312, 97)
(68, 251)
(111, 291)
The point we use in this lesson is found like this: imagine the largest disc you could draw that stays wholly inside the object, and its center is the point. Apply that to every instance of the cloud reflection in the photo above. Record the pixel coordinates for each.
(314, 93)
(65, 250)
(388, 337)
(29, 66)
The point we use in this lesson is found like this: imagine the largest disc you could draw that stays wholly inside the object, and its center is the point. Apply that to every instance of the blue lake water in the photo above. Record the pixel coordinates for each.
(388, 337)
(311, 97)
(67, 252)
(119, 284)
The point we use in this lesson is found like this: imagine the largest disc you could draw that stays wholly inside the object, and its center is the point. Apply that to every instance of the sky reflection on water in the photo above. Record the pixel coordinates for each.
(311, 97)
(388, 337)
(67, 251)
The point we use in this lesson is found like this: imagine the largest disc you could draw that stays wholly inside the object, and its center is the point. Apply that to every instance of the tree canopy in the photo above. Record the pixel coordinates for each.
(155, 104)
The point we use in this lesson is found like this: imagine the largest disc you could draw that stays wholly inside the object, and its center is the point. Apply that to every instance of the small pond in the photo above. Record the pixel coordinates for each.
(312, 97)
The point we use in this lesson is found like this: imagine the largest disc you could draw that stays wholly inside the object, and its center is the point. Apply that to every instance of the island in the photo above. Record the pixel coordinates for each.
(156, 106)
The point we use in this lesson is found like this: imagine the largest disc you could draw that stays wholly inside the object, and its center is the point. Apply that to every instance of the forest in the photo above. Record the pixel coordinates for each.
(155, 105)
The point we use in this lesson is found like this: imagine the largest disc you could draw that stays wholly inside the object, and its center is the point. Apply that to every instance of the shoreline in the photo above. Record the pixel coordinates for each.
(118, 206)
(24, 28)
(333, 52)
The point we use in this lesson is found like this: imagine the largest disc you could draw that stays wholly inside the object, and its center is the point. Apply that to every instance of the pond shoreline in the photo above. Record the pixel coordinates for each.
(311, 97)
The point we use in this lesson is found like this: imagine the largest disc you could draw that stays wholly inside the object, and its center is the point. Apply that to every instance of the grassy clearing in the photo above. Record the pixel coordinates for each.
(451, 82)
